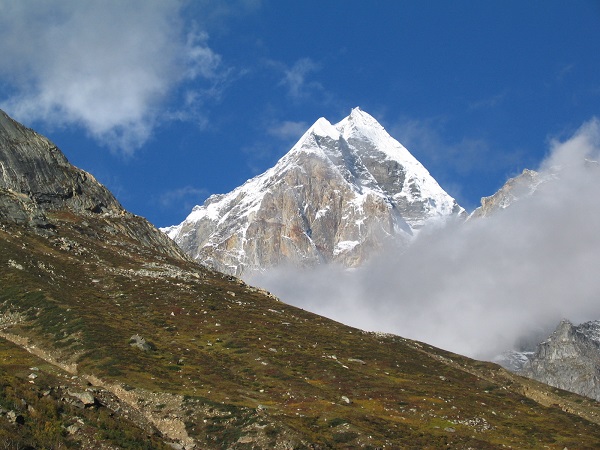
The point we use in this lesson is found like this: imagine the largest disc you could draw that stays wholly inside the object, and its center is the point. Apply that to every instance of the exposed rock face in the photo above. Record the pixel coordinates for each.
(33, 169)
(569, 359)
(513, 360)
(513, 190)
(36, 181)
(337, 196)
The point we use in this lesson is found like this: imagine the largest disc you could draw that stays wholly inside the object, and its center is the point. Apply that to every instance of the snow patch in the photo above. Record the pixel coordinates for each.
(345, 246)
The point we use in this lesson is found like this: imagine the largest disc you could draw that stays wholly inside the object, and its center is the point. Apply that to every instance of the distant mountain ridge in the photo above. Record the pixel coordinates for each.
(523, 185)
(336, 196)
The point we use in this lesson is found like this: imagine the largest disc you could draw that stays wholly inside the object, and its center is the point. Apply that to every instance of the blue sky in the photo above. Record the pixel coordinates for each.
(167, 101)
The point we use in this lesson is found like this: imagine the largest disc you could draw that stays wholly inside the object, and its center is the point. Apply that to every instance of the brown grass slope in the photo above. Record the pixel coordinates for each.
(131, 345)
(229, 366)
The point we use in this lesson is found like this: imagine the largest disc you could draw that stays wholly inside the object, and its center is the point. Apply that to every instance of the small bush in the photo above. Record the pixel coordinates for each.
(344, 437)
(337, 421)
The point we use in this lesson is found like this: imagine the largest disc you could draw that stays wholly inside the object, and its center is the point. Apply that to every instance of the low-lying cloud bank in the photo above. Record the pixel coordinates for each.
(481, 287)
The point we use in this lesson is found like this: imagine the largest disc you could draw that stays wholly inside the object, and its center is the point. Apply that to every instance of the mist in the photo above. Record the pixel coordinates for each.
(481, 287)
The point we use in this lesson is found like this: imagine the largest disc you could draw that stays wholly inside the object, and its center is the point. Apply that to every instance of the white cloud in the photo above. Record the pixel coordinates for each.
(295, 78)
(108, 66)
(200, 59)
(581, 147)
(482, 287)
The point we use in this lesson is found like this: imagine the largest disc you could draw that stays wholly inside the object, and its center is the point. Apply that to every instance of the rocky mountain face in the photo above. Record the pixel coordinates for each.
(37, 182)
(340, 193)
(39, 177)
(513, 190)
(111, 338)
(568, 359)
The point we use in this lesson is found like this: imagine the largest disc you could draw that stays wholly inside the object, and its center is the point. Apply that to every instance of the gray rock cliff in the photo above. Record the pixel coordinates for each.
(569, 359)
(37, 183)
(33, 169)
(512, 191)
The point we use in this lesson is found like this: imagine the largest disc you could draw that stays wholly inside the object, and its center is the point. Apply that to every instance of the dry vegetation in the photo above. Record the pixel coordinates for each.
(229, 366)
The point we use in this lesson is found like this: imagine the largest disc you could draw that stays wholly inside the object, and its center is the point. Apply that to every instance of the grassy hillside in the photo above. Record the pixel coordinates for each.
(173, 352)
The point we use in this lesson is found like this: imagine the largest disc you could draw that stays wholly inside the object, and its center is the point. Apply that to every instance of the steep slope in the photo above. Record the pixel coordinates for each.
(569, 359)
(45, 407)
(36, 174)
(36, 180)
(336, 196)
(155, 349)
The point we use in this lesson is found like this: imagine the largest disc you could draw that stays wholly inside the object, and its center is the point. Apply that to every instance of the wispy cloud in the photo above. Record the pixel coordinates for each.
(263, 153)
(488, 102)
(107, 66)
(479, 288)
(200, 60)
(287, 129)
(216, 15)
(454, 159)
(296, 78)
(425, 137)
(182, 199)
(564, 71)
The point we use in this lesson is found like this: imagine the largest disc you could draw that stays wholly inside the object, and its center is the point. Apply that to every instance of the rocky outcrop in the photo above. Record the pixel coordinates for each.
(35, 172)
(37, 182)
(569, 359)
(341, 193)
(141, 343)
(513, 190)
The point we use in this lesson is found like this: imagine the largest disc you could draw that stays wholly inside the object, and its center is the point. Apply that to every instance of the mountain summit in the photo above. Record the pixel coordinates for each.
(336, 196)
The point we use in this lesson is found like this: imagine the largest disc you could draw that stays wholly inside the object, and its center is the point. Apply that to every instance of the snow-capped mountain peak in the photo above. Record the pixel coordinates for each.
(360, 123)
(322, 127)
(337, 195)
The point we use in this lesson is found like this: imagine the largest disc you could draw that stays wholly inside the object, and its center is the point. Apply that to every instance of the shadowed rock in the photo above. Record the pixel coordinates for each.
(37, 181)
(35, 171)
